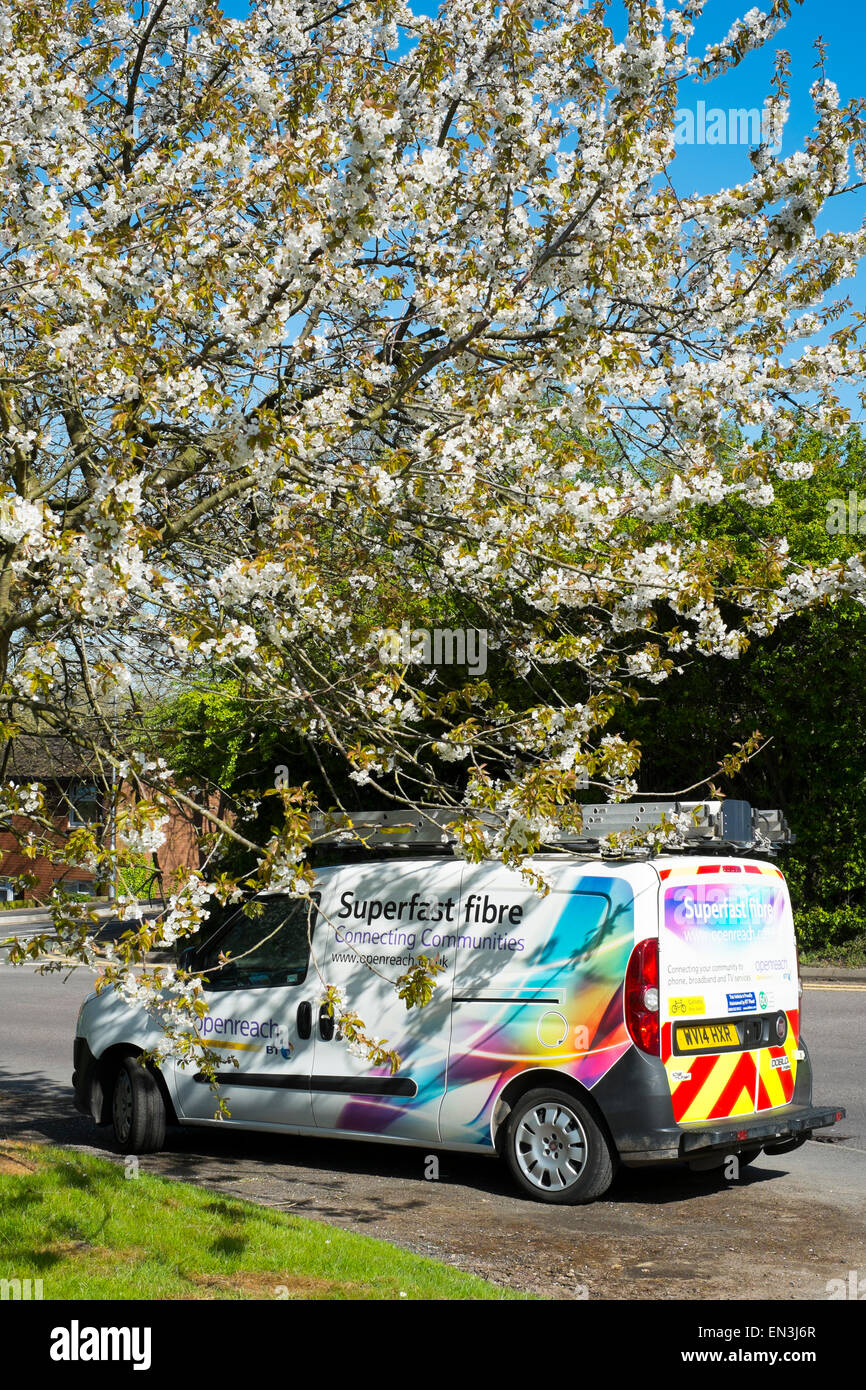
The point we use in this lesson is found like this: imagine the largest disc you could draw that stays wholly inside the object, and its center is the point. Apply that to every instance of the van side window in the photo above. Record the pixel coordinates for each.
(266, 951)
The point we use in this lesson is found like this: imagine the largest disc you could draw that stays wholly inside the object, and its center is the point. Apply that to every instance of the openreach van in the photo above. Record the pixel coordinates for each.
(645, 1010)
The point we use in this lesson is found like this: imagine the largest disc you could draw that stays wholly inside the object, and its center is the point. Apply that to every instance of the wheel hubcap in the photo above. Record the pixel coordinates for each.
(551, 1147)
(122, 1106)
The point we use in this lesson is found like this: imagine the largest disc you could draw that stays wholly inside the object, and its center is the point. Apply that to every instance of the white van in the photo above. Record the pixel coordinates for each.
(642, 1011)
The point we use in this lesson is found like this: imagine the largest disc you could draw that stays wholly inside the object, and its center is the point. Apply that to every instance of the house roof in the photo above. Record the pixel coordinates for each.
(42, 757)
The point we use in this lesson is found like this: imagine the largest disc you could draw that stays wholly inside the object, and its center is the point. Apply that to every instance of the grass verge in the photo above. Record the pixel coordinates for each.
(88, 1232)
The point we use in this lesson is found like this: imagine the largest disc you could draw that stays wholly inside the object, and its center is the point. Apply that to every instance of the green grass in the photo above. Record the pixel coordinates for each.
(87, 1231)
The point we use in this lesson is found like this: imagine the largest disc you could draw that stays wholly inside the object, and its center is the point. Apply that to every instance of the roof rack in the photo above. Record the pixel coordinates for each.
(705, 825)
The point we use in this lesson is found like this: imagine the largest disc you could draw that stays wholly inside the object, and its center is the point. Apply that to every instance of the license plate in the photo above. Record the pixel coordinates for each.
(698, 1037)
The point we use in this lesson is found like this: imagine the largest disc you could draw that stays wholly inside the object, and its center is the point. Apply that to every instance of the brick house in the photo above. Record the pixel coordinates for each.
(77, 792)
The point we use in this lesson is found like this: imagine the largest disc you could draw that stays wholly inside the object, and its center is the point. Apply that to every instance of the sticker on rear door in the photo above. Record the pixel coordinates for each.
(686, 1004)
(743, 1002)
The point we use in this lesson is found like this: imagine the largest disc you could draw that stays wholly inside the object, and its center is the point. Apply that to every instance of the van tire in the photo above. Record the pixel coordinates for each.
(538, 1133)
(137, 1109)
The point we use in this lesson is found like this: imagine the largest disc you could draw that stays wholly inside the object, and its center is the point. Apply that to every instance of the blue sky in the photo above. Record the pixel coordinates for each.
(703, 168)
(842, 26)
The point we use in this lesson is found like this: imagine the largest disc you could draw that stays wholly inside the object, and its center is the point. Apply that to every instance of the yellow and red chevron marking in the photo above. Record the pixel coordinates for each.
(776, 1084)
(731, 1083)
(719, 1085)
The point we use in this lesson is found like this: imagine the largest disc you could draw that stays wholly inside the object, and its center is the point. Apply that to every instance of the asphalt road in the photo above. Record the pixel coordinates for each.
(784, 1230)
(834, 1026)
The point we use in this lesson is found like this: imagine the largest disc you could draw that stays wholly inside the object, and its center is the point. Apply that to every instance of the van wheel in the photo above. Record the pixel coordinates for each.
(137, 1109)
(556, 1150)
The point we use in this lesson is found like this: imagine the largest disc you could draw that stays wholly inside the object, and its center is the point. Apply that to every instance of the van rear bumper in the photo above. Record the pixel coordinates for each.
(771, 1129)
(776, 1131)
(634, 1098)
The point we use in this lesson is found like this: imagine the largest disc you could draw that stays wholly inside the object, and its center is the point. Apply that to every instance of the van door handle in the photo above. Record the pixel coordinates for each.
(305, 1019)
(326, 1024)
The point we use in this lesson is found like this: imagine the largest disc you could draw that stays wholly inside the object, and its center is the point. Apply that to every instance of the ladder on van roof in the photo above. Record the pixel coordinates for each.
(719, 826)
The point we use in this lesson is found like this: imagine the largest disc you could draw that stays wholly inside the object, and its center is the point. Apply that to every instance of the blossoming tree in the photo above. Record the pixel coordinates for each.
(337, 317)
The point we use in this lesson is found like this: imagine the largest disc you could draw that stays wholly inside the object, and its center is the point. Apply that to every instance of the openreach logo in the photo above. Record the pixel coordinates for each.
(437, 646)
(77, 1343)
(739, 125)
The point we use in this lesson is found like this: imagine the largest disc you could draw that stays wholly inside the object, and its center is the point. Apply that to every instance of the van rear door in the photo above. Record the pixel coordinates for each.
(729, 993)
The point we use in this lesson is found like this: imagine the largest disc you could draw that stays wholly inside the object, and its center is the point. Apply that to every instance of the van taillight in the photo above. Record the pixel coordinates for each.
(642, 996)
